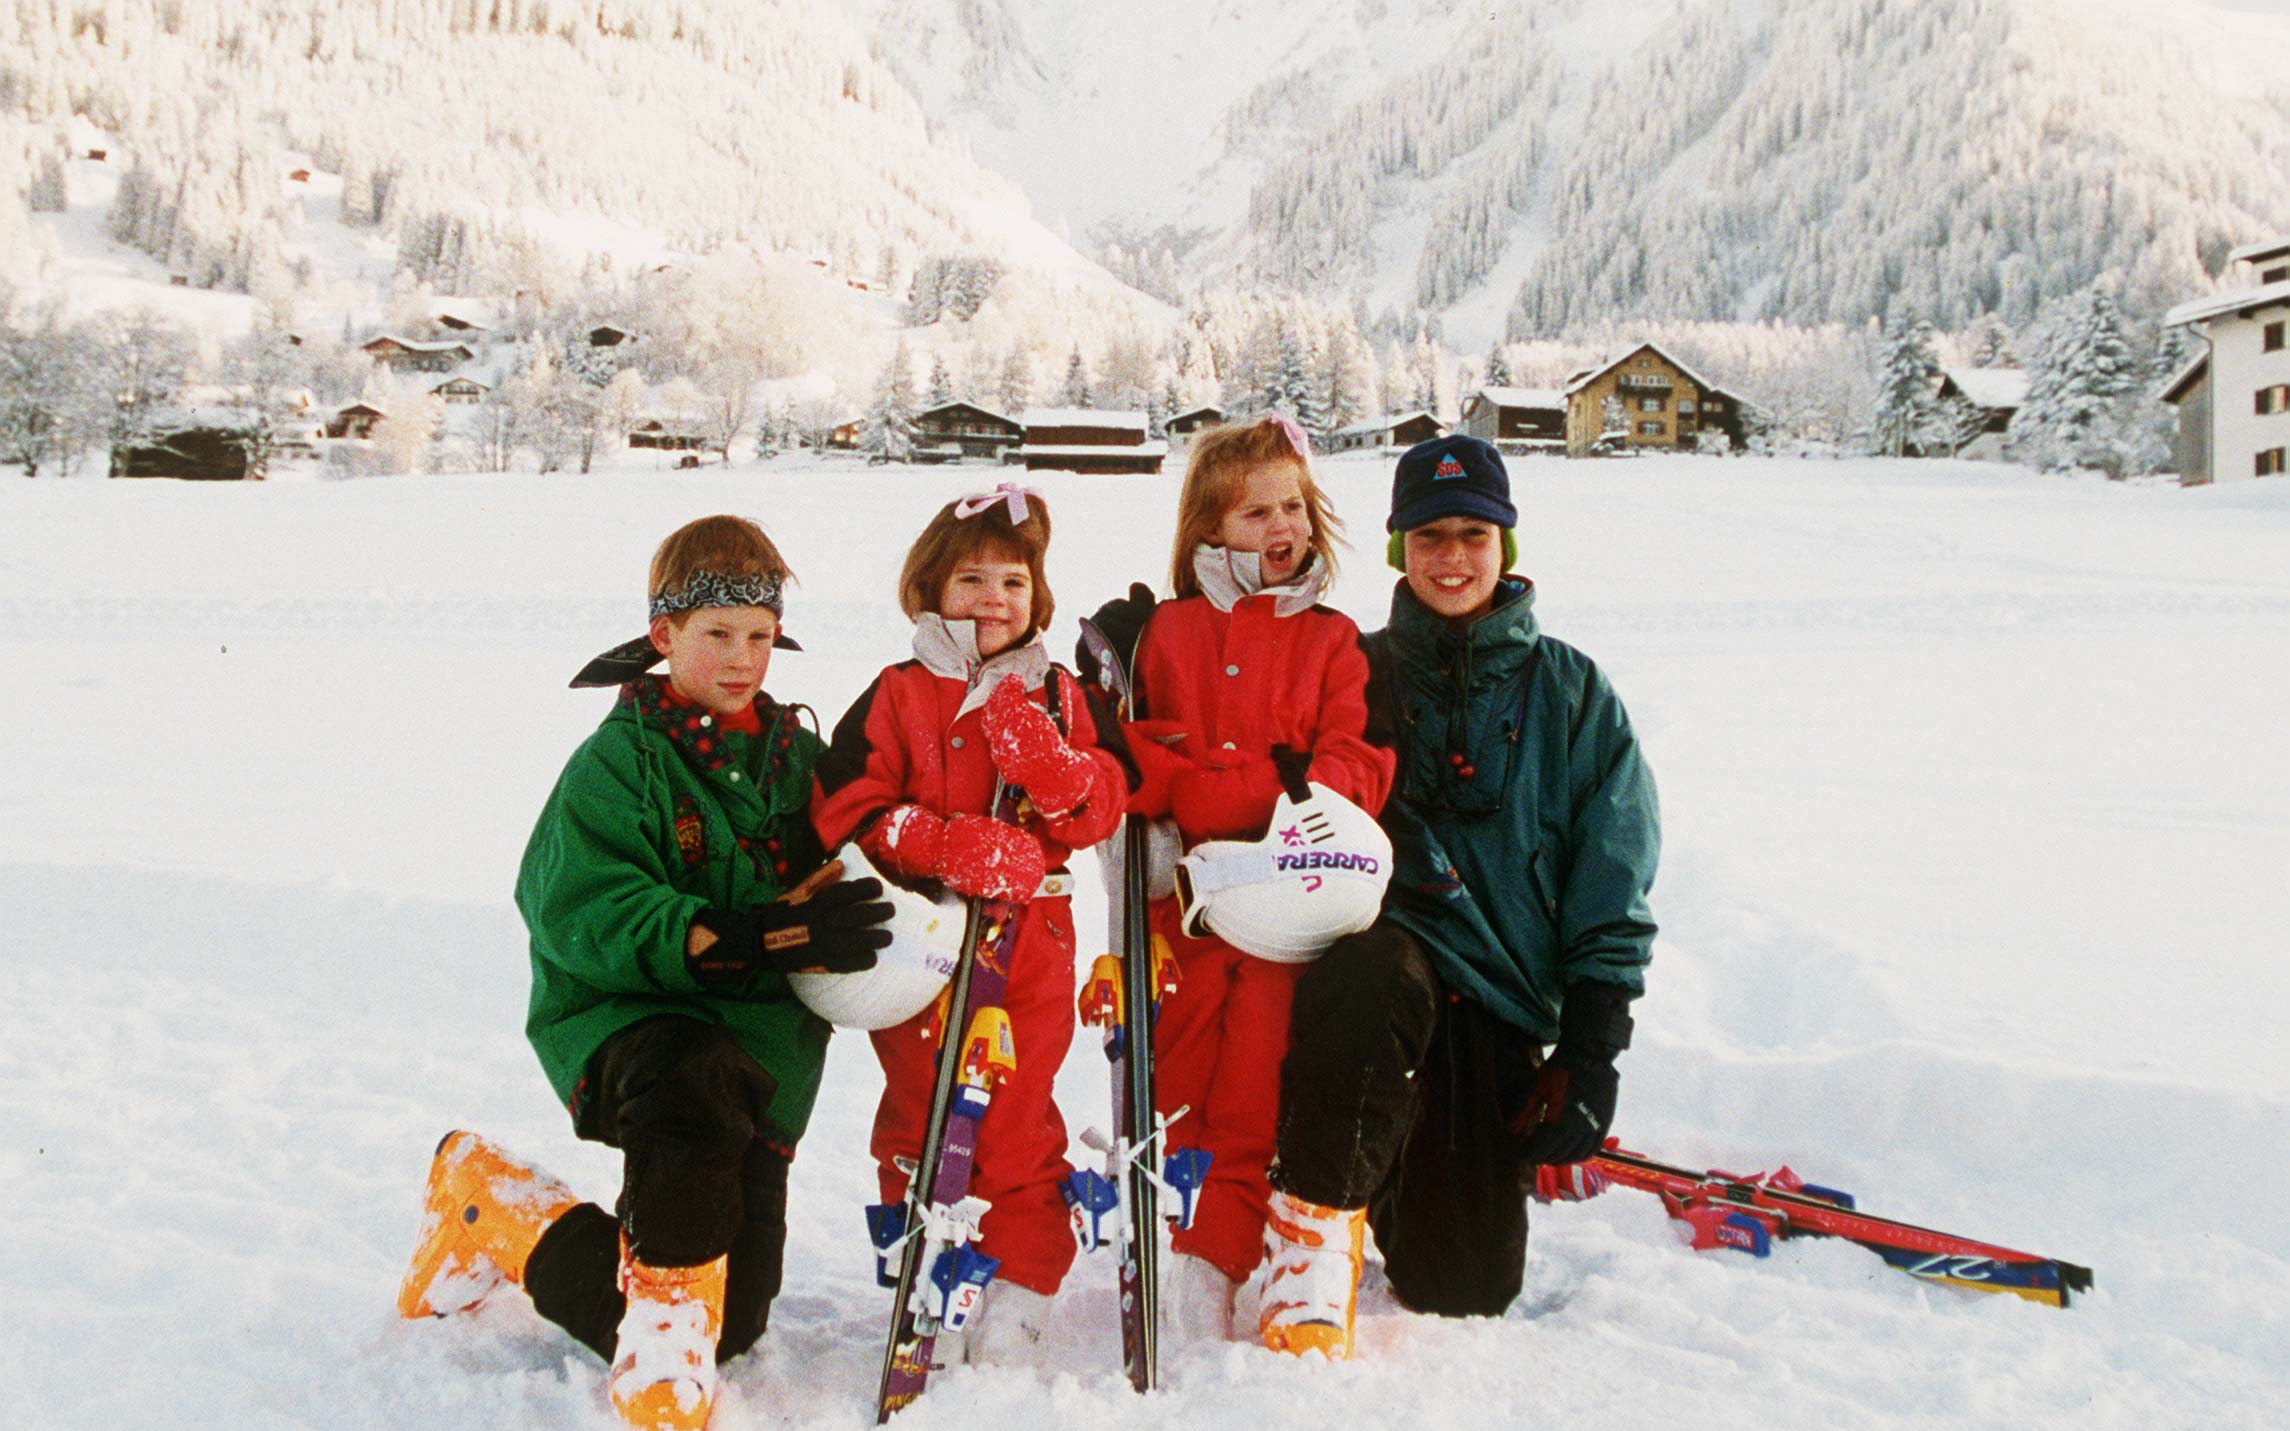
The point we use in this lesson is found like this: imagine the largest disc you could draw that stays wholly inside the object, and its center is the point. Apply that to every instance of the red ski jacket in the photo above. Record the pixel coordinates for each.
(901, 744)
(1220, 689)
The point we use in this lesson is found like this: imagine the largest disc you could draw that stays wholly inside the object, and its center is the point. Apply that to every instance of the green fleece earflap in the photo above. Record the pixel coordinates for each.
(1395, 550)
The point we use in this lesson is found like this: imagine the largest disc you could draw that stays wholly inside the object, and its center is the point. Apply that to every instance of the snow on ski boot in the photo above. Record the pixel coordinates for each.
(1007, 1330)
(1196, 1300)
(1312, 1276)
(482, 1214)
(664, 1372)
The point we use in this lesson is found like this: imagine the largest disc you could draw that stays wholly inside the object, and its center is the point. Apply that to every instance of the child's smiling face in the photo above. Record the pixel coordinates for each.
(718, 655)
(995, 590)
(1269, 517)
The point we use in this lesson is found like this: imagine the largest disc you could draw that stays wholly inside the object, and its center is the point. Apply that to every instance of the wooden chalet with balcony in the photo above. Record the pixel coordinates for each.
(1069, 439)
(355, 421)
(654, 435)
(1185, 424)
(1661, 403)
(1517, 420)
(953, 431)
(1994, 395)
(412, 355)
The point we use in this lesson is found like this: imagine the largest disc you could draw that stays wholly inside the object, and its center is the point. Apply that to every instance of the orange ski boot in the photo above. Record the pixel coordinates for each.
(483, 1213)
(1311, 1278)
(664, 1372)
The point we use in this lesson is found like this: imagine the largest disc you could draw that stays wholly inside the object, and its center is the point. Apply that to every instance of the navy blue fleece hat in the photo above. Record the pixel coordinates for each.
(1452, 476)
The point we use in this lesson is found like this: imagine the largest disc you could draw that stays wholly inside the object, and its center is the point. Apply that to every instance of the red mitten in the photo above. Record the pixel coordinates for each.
(908, 841)
(990, 859)
(1031, 752)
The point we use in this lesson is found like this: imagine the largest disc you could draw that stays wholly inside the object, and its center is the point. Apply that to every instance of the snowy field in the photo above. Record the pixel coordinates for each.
(1976, 903)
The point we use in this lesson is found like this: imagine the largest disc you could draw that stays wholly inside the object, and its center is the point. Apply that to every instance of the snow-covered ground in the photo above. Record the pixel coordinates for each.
(1977, 807)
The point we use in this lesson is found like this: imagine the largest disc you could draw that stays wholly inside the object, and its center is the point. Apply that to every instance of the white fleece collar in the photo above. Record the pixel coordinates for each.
(950, 649)
(1228, 577)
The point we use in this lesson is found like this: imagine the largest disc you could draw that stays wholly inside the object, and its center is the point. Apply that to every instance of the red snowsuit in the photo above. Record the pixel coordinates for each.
(902, 743)
(1220, 689)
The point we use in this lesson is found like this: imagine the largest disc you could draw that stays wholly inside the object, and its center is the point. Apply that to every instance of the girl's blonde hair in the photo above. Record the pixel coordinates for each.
(1219, 462)
(731, 546)
(951, 540)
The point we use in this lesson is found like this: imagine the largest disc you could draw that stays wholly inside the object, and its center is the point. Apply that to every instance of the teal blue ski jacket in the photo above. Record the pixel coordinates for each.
(1524, 824)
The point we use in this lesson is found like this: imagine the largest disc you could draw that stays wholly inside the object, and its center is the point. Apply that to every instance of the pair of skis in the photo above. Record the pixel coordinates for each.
(924, 1244)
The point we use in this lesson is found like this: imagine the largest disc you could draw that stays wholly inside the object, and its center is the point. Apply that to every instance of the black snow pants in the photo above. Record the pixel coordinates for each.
(1399, 1096)
(685, 1105)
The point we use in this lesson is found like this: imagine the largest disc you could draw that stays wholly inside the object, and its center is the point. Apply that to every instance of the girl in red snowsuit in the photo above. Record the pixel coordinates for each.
(910, 774)
(1242, 670)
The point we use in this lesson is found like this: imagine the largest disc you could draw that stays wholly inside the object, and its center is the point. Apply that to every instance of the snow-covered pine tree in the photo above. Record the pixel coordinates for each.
(941, 386)
(1076, 391)
(1909, 421)
(1989, 343)
(1498, 365)
(1014, 382)
(2076, 414)
(889, 429)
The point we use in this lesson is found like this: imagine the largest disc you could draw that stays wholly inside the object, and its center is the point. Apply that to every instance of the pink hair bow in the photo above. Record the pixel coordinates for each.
(1009, 494)
(1294, 431)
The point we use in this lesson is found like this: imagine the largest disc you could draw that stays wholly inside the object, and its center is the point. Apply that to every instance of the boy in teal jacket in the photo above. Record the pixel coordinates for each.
(670, 885)
(1436, 1059)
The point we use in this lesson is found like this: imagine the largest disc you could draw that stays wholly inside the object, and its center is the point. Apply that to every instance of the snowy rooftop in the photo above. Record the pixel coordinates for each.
(1588, 375)
(973, 406)
(1384, 423)
(418, 345)
(2219, 304)
(2263, 249)
(1525, 397)
(1990, 387)
(2175, 388)
(1082, 417)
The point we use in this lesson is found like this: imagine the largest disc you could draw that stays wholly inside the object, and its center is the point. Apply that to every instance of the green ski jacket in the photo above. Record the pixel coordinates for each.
(657, 816)
(1524, 825)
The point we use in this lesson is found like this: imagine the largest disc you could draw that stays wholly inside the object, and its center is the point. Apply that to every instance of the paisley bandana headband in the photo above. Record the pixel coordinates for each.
(716, 588)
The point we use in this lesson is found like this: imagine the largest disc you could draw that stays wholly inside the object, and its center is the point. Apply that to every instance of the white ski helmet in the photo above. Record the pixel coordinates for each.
(926, 943)
(1317, 875)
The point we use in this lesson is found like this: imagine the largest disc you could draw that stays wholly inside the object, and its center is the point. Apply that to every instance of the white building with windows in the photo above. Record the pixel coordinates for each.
(2234, 396)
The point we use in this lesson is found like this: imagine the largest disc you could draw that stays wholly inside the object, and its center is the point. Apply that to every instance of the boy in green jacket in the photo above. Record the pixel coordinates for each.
(1469, 1036)
(670, 886)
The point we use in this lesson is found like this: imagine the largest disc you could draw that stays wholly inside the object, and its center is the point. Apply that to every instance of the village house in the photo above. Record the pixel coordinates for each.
(844, 435)
(952, 431)
(658, 436)
(604, 335)
(1069, 439)
(198, 451)
(462, 390)
(1994, 395)
(1398, 429)
(2233, 397)
(1517, 420)
(1648, 399)
(403, 355)
(355, 421)
(1185, 424)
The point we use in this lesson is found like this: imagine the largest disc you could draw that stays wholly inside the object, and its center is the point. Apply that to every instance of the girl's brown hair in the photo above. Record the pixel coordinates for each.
(1221, 459)
(733, 546)
(951, 540)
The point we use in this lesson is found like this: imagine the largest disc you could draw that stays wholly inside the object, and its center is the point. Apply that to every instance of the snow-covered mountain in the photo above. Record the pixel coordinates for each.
(1545, 163)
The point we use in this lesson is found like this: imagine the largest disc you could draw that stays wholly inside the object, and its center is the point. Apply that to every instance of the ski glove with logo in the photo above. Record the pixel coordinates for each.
(969, 854)
(1122, 620)
(1031, 752)
(825, 923)
(1572, 1104)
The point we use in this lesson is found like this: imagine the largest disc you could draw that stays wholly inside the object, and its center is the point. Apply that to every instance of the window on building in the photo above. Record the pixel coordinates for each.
(2270, 462)
(1685, 405)
(2272, 400)
(2274, 275)
(1649, 404)
(1649, 429)
(2273, 335)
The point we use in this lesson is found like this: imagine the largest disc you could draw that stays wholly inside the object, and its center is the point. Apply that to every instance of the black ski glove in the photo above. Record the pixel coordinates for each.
(1572, 1105)
(831, 927)
(1123, 621)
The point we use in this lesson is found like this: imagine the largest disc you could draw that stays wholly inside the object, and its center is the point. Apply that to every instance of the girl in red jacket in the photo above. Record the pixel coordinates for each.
(1242, 672)
(910, 774)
